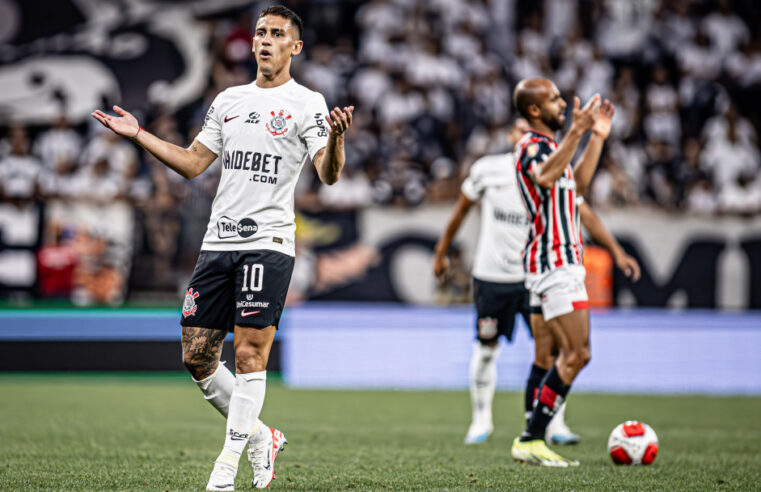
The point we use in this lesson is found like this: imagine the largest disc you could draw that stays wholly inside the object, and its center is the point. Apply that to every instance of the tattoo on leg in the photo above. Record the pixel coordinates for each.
(201, 350)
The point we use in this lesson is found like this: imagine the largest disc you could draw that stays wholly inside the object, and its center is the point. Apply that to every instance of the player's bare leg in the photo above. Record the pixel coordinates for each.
(483, 383)
(545, 353)
(572, 333)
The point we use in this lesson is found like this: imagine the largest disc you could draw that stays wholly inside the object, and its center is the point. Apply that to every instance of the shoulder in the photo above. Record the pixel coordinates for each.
(491, 164)
(231, 93)
(533, 144)
(305, 93)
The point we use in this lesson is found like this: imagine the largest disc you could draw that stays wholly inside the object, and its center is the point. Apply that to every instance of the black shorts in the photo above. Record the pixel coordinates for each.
(497, 304)
(229, 288)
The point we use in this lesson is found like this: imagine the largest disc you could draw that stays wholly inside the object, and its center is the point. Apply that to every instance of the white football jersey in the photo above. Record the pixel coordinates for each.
(504, 222)
(262, 137)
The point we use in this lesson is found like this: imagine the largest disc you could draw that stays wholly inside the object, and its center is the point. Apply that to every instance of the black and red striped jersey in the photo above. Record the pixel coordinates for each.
(554, 238)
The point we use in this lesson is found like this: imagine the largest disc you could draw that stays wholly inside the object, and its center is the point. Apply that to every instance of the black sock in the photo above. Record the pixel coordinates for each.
(532, 387)
(552, 392)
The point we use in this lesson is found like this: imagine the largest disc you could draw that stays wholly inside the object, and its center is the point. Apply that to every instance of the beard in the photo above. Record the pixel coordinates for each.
(553, 121)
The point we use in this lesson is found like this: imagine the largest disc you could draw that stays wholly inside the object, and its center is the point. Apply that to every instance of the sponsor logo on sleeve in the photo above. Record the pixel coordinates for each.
(319, 120)
(206, 119)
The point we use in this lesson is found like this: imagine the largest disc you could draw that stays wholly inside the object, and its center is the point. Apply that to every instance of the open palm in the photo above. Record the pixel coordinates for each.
(603, 123)
(125, 124)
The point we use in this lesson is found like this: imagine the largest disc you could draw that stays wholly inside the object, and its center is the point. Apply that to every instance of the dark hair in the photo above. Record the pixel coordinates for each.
(285, 13)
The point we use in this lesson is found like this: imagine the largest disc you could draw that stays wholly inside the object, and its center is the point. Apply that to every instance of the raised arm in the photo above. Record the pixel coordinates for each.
(603, 237)
(587, 164)
(440, 261)
(188, 162)
(329, 161)
(545, 174)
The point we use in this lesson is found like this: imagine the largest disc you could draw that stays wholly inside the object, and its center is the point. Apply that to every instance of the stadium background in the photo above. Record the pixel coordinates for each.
(98, 239)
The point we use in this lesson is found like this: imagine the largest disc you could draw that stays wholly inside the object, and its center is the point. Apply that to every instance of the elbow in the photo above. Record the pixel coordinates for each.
(330, 180)
(546, 181)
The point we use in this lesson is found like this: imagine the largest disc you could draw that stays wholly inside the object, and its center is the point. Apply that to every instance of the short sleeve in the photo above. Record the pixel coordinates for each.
(474, 185)
(211, 131)
(314, 131)
(533, 154)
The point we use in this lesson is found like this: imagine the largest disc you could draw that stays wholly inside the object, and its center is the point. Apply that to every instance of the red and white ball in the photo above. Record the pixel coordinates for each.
(633, 443)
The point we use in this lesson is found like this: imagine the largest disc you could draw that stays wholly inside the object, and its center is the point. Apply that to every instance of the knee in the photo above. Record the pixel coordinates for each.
(248, 359)
(200, 366)
(577, 359)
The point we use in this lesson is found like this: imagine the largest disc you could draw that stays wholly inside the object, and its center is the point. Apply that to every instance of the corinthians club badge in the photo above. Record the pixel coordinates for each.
(278, 125)
(189, 307)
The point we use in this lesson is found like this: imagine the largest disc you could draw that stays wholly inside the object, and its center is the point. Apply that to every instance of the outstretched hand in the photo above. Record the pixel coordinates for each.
(339, 120)
(603, 124)
(125, 124)
(585, 118)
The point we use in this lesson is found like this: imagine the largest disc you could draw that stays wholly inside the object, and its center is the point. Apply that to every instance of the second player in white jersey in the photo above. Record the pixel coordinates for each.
(263, 137)
(504, 224)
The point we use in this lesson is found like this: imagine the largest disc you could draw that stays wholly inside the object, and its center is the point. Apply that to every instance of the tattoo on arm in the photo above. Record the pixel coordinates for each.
(201, 350)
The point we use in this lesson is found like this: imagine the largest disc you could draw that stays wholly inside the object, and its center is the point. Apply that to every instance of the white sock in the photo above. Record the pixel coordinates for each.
(483, 382)
(243, 417)
(218, 388)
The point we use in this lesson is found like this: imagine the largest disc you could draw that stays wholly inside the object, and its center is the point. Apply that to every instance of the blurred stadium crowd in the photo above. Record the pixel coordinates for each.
(432, 83)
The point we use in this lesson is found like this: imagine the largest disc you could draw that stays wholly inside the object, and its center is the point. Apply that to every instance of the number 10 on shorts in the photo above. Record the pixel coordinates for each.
(257, 278)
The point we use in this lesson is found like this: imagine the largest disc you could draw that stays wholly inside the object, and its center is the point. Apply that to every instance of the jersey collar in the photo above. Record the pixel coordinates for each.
(532, 130)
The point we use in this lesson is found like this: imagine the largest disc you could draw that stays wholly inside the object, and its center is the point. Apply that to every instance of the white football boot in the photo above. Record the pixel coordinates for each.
(478, 433)
(222, 477)
(558, 432)
(262, 451)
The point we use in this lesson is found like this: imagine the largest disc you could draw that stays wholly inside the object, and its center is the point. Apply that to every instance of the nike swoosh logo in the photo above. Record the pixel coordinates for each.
(233, 438)
(230, 118)
(269, 460)
(244, 313)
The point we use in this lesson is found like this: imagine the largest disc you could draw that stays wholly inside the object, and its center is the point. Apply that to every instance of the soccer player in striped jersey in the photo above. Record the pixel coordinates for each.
(263, 133)
(498, 277)
(549, 187)
(498, 283)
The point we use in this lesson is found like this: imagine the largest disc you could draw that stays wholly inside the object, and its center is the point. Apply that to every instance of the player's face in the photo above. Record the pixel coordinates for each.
(553, 108)
(274, 43)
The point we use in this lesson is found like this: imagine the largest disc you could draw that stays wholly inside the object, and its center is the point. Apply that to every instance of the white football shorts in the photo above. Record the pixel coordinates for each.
(558, 292)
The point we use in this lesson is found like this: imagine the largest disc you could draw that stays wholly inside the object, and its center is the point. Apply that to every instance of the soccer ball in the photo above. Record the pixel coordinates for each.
(633, 443)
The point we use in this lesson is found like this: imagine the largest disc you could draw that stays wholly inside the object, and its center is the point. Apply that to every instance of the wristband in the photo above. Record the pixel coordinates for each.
(138, 132)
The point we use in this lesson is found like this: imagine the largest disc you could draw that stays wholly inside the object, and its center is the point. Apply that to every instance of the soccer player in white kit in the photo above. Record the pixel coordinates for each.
(263, 133)
(499, 290)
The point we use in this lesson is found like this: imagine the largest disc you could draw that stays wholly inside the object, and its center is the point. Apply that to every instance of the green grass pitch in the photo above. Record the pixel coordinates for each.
(156, 433)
